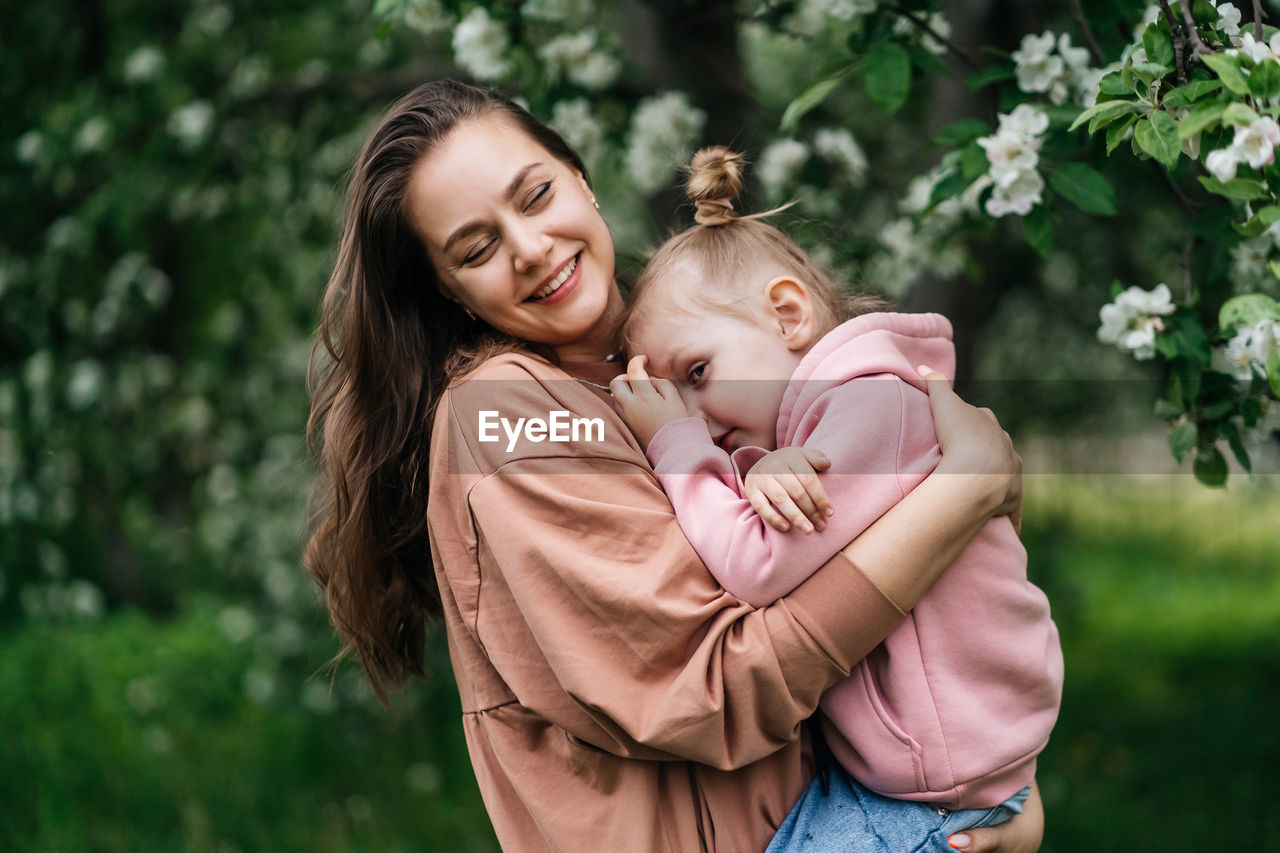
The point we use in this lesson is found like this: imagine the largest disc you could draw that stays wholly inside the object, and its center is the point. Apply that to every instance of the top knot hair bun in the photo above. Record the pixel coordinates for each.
(715, 180)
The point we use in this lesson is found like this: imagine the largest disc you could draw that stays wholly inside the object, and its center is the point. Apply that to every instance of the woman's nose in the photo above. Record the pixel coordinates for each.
(530, 246)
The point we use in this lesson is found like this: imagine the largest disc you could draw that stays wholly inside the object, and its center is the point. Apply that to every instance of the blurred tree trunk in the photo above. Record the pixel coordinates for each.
(969, 305)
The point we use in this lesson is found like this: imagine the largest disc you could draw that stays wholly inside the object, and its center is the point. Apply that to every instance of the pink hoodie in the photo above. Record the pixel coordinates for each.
(957, 702)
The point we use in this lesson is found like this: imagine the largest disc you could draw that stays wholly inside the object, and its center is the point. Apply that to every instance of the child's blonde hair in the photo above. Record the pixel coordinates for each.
(721, 263)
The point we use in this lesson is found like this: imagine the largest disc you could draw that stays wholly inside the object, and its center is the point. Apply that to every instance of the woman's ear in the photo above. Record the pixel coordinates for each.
(791, 306)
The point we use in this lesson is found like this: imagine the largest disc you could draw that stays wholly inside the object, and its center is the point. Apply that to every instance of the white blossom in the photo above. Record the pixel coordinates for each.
(1025, 122)
(1228, 18)
(1255, 142)
(1132, 321)
(1017, 197)
(581, 59)
(191, 123)
(92, 135)
(30, 146)
(662, 130)
(1035, 64)
(936, 22)
(1258, 51)
(427, 16)
(574, 121)
(1248, 350)
(780, 162)
(480, 46)
(86, 384)
(143, 64)
(1074, 57)
(838, 146)
(1222, 162)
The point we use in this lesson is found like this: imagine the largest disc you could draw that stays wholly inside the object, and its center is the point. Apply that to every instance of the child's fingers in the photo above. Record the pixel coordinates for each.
(635, 368)
(666, 388)
(816, 458)
(801, 499)
(817, 496)
(620, 388)
(790, 499)
(764, 509)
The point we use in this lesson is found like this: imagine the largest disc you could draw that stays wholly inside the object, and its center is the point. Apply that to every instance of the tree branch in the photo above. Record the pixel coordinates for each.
(1089, 40)
(923, 25)
(1198, 48)
(1257, 19)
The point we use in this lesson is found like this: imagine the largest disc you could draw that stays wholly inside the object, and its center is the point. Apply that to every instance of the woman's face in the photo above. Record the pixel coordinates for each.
(515, 237)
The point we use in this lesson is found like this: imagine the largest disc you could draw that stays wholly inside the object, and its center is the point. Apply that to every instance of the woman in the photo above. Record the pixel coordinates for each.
(614, 697)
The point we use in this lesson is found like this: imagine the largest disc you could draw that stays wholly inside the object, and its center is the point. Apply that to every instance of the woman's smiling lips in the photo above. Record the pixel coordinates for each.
(558, 286)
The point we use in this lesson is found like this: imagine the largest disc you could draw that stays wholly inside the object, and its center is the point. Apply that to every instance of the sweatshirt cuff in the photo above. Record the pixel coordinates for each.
(844, 612)
(675, 433)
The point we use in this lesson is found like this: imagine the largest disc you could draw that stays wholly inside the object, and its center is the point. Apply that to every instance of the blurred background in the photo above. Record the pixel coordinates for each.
(171, 179)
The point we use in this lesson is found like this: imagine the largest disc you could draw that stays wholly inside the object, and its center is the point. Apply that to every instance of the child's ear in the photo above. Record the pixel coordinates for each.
(791, 306)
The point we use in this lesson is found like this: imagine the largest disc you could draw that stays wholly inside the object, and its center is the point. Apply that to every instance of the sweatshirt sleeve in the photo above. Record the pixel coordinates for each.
(868, 431)
(657, 659)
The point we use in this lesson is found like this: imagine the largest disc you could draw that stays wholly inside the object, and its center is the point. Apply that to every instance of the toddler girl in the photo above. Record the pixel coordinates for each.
(941, 724)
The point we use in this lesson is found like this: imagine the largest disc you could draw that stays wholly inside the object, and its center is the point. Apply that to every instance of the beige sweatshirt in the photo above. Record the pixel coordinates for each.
(614, 696)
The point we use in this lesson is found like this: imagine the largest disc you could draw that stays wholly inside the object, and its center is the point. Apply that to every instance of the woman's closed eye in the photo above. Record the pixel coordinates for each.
(477, 253)
(540, 194)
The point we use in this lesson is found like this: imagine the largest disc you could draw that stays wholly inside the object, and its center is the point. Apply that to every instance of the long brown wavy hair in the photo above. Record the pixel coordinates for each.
(388, 345)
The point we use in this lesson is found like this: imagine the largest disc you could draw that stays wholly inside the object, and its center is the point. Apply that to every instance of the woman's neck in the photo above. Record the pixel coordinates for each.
(602, 340)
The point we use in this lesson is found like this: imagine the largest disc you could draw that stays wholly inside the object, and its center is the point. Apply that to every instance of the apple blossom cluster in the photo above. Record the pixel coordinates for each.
(782, 160)
(937, 24)
(581, 59)
(1133, 320)
(574, 121)
(1013, 152)
(1049, 64)
(1253, 143)
(480, 46)
(663, 129)
(1246, 353)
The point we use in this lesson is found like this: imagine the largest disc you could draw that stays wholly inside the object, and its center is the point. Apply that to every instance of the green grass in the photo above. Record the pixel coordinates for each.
(1168, 599)
(136, 735)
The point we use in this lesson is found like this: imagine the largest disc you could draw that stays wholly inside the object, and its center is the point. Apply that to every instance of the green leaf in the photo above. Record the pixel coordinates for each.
(810, 97)
(1273, 371)
(953, 184)
(1217, 411)
(1038, 228)
(1105, 111)
(1113, 84)
(1228, 70)
(1247, 309)
(1085, 188)
(1157, 135)
(1158, 44)
(1185, 96)
(1210, 466)
(987, 76)
(1167, 409)
(1242, 188)
(1238, 114)
(1260, 221)
(1237, 447)
(888, 75)
(973, 162)
(1264, 80)
(961, 132)
(1151, 69)
(1181, 439)
(1274, 268)
(1201, 118)
(1116, 132)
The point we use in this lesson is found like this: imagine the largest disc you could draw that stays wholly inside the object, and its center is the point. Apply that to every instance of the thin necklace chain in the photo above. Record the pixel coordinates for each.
(604, 388)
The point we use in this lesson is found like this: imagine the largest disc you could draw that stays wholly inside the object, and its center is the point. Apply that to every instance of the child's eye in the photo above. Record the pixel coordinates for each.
(696, 372)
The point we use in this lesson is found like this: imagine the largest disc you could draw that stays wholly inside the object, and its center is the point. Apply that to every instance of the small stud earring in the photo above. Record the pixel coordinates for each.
(468, 310)
(596, 203)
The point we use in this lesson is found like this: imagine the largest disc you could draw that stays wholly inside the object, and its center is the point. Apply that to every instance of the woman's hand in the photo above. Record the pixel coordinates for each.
(1022, 834)
(974, 443)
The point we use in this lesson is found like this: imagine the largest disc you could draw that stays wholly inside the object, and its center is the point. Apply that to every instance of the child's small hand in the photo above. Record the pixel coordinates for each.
(646, 404)
(787, 479)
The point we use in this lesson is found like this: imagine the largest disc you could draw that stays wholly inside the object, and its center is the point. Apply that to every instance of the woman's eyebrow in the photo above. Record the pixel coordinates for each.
(508, 194)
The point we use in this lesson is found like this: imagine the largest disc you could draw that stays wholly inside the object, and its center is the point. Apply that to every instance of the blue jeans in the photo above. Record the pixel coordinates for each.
(851, 819)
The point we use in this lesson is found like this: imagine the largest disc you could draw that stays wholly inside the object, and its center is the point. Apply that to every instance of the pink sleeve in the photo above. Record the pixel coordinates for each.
(872, 429)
